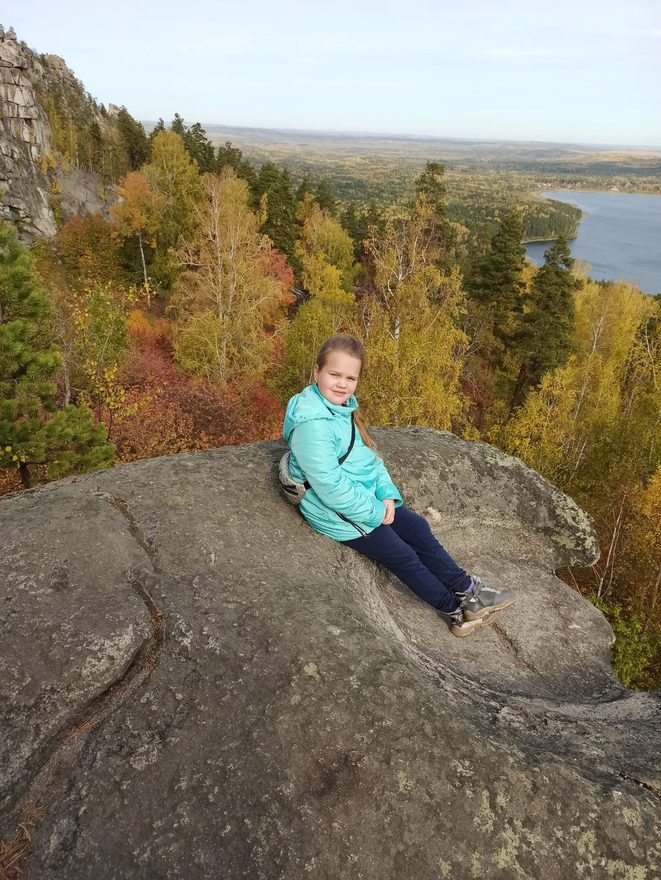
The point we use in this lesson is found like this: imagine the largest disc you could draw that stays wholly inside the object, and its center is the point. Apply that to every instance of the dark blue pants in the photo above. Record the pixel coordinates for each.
(410, 551)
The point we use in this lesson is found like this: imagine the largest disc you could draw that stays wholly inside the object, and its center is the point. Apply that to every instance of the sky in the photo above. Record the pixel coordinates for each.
(578, 71)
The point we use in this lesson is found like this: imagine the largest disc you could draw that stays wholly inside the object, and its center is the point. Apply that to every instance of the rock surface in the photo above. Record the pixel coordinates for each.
(28, 178)
(196, 685)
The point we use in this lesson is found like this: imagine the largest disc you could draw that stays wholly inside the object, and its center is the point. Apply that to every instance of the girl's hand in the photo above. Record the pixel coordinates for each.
(390, 512)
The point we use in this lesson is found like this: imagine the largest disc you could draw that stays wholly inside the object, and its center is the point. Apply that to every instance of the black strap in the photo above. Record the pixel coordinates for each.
(353, 437)
(346, 454)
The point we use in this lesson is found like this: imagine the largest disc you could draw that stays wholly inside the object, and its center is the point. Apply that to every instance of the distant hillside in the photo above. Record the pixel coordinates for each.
(513, 155)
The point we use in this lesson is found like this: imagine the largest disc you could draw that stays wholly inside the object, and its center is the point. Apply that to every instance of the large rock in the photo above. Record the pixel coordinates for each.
(196, 685)
(30, 185)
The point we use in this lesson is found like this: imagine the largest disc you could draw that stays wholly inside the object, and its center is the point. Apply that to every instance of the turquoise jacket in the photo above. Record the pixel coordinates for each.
(318, 433)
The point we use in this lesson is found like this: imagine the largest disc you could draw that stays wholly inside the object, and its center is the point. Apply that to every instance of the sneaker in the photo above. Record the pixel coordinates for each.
(480, 601)
(459, 625)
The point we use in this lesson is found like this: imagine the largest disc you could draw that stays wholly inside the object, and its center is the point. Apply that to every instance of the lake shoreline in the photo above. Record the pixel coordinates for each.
(617, 235)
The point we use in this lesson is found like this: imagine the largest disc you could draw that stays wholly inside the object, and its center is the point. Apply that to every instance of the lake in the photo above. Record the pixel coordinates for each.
(619, 236)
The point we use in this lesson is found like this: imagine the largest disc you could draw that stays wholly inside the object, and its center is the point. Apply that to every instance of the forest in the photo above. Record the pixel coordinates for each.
(186, 317)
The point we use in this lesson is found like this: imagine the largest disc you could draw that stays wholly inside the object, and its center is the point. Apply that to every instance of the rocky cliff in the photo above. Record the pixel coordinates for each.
(35, 185)
(196, 685)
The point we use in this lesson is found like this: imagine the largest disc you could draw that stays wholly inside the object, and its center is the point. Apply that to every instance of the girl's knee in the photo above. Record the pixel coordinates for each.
(418, 523)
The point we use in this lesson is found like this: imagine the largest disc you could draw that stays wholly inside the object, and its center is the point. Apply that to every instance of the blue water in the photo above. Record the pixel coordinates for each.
(619, 236)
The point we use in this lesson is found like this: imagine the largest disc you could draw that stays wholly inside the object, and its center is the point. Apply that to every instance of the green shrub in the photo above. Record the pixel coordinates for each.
(635, 652)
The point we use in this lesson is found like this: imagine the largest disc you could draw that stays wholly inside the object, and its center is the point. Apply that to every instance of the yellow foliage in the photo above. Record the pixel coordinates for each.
(323, 242)
(225, 296)
(415, 348)
(566, 421)
(543, 432)
(325, 252)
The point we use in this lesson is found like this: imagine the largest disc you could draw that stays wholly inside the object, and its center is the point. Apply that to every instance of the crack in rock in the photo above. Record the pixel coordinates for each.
(51, 758)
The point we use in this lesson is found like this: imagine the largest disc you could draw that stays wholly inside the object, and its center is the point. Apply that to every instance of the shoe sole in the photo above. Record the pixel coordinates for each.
(463, 632)
(487, 612)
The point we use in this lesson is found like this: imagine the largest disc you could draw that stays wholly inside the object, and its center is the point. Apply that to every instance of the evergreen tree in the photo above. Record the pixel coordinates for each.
(178, 126)
(325, 198)
(431, 185)
(497, 283)
(95, 144)
(273, 193)
(135, 139)
(354, 224)
(232, 156)
(358, 223)
(200, 148)
(303, 188)
(157, 129)
(543, 340)
(33, 432)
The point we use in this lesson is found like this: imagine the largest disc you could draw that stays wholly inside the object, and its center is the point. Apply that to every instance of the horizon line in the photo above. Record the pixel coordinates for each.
(430, 137)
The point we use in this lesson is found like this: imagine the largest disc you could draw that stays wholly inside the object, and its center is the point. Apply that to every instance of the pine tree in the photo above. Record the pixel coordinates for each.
(232, 156)
(157, 129)
(135, 139)
(543, 340)
(33, 432)
(178, 126)
(303, 188)
(325, 198)
(273, 194)
(200, 149)
(498, 283)
(431, 185)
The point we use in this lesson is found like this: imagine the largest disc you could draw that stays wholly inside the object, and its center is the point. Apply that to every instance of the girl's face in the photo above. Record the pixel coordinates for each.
(338, 377)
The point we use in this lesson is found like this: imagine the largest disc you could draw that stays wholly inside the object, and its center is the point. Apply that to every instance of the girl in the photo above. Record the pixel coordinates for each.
(352, 498)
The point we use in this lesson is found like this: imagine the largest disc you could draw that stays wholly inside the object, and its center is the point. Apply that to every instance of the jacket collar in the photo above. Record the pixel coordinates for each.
(339, 409)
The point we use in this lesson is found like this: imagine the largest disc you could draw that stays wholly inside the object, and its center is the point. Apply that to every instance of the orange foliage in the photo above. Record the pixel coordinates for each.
(145, 333)
(137, 211)
(276, 265)
(165, 411)
(172, 412)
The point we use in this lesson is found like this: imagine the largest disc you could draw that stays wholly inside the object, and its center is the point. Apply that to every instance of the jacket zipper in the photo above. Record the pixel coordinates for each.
(351, 523)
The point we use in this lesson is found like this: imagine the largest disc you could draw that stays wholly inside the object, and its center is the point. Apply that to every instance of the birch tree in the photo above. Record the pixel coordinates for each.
(226, 297)
(410, 326)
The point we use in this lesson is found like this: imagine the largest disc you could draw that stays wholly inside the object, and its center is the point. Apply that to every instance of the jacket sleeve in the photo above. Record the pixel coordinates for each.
(314, 450)
(385, 488)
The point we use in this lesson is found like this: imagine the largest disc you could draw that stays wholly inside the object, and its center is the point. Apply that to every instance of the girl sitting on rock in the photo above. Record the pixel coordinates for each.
(351, 497)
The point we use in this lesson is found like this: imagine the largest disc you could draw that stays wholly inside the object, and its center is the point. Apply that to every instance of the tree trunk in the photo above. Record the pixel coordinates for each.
(24, 474)
(67, 384)
(144, 267)
(609, 567)
(519, 388)
(652, 604)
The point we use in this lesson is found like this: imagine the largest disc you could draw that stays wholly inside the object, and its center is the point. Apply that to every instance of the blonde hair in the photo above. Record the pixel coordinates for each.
(350, 345)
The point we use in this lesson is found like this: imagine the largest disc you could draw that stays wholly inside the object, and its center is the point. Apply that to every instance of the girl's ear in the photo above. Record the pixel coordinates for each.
(315, 372)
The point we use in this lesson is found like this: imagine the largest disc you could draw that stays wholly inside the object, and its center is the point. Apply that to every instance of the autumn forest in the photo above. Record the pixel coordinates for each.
(185, 316)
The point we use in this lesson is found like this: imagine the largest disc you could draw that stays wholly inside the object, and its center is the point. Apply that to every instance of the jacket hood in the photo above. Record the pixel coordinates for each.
(310, 404)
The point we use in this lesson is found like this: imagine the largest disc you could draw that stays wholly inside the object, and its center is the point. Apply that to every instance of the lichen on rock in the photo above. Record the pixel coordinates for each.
(303, 714)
